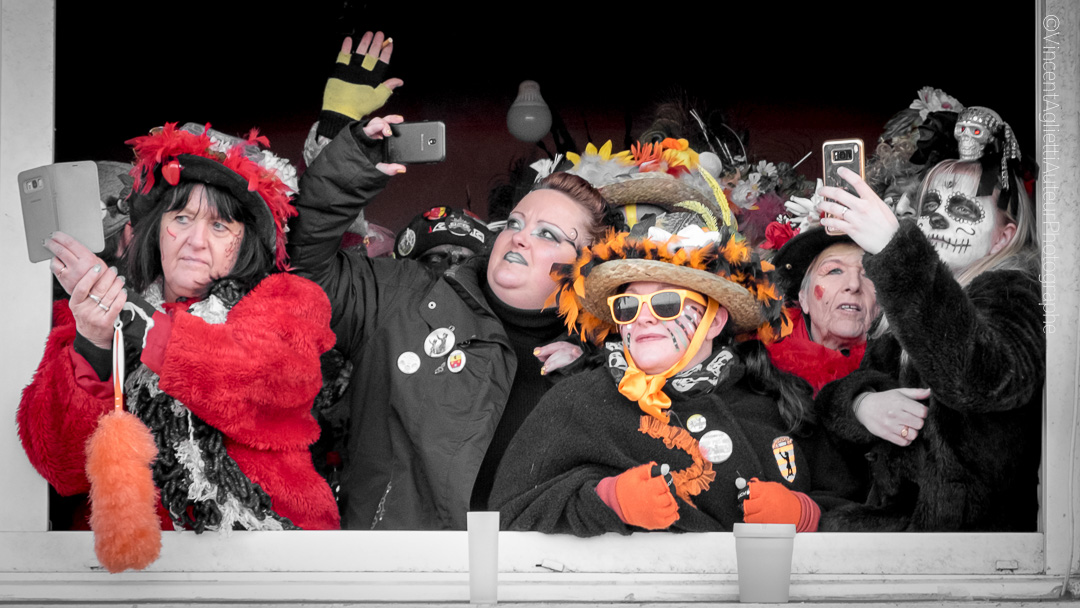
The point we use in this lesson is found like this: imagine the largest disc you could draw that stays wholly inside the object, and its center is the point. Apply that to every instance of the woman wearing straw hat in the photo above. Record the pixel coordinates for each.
(682, 420)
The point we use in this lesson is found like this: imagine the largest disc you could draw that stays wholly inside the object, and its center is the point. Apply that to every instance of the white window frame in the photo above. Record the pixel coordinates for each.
(290, 568)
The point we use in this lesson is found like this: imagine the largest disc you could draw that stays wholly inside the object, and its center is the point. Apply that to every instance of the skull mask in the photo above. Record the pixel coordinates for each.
(973, 130)
(960, 225)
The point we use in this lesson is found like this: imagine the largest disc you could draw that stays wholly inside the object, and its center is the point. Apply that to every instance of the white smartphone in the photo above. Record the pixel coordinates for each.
(61, 197)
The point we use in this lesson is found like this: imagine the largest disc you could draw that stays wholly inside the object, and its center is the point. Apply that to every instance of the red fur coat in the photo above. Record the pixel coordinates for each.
(253, 377)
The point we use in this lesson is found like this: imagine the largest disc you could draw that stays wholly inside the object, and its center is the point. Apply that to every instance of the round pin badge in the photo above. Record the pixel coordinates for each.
(439, 342)
(406, 242)
(715, 446)
(695, 423)
(456, 361)
(408, 362)
(458, 226)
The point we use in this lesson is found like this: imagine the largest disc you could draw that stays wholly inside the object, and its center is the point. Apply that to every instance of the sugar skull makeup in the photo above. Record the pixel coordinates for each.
(960, 225)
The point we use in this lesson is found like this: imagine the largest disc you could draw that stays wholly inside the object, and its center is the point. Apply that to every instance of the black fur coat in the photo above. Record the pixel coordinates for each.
(982, 352)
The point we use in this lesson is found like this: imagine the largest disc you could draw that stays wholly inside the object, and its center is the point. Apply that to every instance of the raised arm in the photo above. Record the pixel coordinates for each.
(344, 179)
(355, 88)
(978, 348)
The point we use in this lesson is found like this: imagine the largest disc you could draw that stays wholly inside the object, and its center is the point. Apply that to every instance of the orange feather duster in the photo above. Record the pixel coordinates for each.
(123, 497)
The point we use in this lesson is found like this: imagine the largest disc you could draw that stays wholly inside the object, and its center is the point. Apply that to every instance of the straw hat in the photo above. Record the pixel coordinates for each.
(720, 265)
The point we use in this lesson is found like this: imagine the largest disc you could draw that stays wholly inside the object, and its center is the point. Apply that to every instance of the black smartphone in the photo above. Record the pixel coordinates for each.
(837, 153)
(416, 143)
(64, 197)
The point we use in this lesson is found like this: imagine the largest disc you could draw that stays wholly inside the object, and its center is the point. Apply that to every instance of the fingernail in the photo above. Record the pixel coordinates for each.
(401, 170)
(97, 267)
(122, 279)
(536, 351)
(543, 371)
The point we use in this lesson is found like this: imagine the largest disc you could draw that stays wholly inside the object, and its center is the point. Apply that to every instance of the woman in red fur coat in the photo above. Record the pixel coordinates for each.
(222, 354)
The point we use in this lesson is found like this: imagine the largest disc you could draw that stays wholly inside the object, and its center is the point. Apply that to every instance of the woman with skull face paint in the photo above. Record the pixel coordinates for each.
(961, 298)
(685, 428)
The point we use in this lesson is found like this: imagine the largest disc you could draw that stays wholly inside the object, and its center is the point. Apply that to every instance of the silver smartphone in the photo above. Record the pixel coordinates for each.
(61, 197)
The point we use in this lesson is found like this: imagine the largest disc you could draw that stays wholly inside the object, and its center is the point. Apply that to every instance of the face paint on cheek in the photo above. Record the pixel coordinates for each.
(234, 246)
(687, 325)
(819, 291)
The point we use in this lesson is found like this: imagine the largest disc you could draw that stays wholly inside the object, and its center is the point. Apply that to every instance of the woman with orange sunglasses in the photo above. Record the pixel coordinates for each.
(686, 428)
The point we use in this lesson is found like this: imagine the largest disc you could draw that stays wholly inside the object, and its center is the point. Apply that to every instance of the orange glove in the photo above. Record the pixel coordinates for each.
(644, 500)
(772, 503)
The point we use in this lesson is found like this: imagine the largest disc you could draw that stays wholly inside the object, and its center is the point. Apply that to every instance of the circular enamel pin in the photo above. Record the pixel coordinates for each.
(408, 362)
(406, 242)
(715, 446)
(695, 423)
(439, 342)
(456, 361)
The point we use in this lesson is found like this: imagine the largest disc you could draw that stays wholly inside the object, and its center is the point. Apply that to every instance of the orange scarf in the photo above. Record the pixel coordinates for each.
(646, 389)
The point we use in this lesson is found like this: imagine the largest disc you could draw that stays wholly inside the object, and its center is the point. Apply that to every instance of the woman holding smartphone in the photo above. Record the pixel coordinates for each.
(960, 292)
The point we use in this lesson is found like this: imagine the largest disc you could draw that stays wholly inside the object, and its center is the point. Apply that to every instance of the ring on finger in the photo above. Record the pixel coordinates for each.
(843, 213)
(95, 298)
(103, 307)
(904, 431)
(63, 267)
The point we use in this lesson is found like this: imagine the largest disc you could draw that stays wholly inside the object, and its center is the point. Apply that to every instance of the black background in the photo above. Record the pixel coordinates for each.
(789, 76)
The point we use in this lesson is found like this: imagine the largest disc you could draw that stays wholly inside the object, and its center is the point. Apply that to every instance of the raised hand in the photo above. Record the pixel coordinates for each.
(865, 218)
(380, 128)
(356, 87)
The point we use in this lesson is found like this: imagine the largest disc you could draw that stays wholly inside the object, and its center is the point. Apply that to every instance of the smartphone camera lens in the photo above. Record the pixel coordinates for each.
(431, 141)
(842, 156)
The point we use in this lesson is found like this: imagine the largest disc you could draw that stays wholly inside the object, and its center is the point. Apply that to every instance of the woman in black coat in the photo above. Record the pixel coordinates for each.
(684, 428)
(960, 291)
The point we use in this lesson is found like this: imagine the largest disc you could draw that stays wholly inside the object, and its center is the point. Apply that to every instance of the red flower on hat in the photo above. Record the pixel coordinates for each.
(776, 234)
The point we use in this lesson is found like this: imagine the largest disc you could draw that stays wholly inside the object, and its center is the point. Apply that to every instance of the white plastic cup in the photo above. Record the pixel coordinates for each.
(763, 554)
(483, 556)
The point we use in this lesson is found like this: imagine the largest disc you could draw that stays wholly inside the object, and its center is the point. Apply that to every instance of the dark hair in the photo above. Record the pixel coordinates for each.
(581, 192)
(793, 395)
(142, 260)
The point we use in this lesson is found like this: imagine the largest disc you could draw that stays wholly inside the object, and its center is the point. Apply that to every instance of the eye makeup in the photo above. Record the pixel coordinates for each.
(964, 209)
